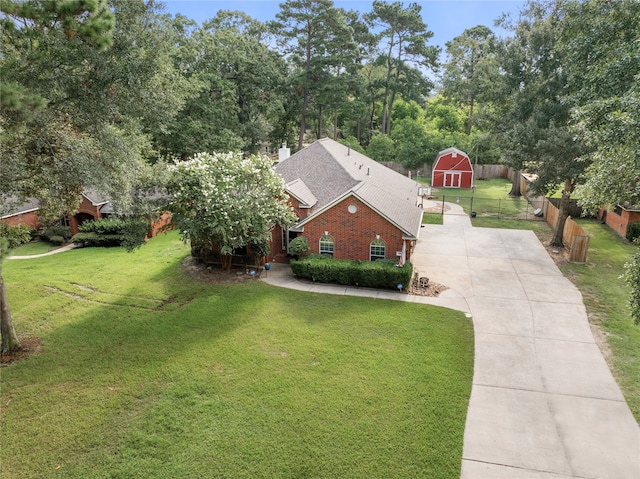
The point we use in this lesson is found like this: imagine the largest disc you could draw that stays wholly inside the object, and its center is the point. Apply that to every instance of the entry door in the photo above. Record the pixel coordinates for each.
(452, 179)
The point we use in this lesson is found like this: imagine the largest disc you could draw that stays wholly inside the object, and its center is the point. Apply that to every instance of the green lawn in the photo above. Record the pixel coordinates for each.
(606, 296)
(33, 248)
(147, 373)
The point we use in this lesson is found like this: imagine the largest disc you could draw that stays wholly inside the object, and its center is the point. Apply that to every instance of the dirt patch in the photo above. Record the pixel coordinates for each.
(560, 256)
(437, 209)
(215, 274)
(432, 289)
(28, 347)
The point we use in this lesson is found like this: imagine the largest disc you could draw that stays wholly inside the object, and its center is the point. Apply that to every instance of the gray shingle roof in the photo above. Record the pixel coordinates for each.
(332, 172)
(11, 206)
(299, 190)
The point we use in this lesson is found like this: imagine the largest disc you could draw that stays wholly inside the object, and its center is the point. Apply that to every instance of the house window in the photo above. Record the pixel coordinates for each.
(377, 250)
(326, 245)
(285, 243)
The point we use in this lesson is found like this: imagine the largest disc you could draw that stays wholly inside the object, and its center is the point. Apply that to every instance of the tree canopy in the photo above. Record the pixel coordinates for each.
(225, 201)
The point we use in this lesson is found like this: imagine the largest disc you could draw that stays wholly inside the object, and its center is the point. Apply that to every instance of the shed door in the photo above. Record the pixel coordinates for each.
(452, 179)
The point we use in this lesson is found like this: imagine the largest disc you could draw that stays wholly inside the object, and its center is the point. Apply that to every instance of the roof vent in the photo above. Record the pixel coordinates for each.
(367, 171)
(348, 150)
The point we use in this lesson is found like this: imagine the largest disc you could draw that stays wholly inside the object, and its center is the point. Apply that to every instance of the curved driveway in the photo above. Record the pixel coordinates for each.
(543, 403)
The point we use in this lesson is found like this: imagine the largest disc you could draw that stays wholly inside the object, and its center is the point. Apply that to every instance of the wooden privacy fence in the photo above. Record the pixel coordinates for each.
(573, 234)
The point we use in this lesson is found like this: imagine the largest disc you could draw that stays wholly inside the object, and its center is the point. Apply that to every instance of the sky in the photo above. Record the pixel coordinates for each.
(447, 19)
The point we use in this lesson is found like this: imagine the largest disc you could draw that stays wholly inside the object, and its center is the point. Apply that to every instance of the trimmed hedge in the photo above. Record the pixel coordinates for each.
(369, 274)
(95, 239)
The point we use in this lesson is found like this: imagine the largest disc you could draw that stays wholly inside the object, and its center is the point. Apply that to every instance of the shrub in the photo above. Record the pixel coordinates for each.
(369, 274)
(95, 239)
(129, 232)
(57, 240)
(58, 230)
(15, 235)
(633, 231)
(299, 246)
(104, 226)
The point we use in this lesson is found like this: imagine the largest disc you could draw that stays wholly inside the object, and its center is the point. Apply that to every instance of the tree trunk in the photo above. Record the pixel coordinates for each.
(303, 114)
(319, 121)
(515, 185)
(470, 123)
(563, 214)
(226, 261)
(9, 337)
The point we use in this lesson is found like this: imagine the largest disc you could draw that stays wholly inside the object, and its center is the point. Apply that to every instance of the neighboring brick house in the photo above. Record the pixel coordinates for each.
(348, 205)
(93, 206)
(24, 213)
(619, 218)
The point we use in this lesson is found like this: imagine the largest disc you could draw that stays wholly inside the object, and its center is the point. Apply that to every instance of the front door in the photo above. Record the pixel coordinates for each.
(452, 179)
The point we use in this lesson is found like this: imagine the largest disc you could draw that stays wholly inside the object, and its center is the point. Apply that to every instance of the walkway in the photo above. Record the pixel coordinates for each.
(544, 404)
(55, 251)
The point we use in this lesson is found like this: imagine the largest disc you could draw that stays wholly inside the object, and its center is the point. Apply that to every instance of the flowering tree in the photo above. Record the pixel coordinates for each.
(228, 201)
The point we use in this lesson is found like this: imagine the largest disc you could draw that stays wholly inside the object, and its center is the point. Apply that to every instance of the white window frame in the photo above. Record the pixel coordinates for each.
(325, 243)
(377, 243)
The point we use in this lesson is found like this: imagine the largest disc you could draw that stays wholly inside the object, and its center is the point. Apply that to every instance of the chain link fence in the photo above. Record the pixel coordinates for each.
(503, 208)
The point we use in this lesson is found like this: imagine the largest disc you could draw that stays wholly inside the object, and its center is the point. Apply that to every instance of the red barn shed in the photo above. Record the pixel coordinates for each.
(452, 169)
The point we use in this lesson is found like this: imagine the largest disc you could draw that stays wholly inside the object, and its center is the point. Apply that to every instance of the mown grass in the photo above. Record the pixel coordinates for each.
(146, 372)
(606, 296)
(33, 248)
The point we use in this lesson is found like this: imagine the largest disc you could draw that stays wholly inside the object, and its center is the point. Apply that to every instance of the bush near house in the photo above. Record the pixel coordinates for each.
(57, 234)
(369, 274)
(15, 235)
(103, 232)
(633, 231)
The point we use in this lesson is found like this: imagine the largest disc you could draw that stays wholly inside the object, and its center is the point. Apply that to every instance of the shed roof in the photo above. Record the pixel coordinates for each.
(451, 150)
(332, 172)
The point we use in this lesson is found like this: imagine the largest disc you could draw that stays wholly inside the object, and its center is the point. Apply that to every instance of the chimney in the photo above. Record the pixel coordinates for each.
(284, 152)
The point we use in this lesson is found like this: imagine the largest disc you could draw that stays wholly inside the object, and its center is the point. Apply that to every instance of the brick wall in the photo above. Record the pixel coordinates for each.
(30, 218)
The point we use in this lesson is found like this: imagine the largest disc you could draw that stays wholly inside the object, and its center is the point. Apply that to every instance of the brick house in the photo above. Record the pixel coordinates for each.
(93, 206)
(348, 205)
(25, 213)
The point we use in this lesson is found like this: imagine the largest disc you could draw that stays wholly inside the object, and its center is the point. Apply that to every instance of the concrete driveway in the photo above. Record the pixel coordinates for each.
(544, 403)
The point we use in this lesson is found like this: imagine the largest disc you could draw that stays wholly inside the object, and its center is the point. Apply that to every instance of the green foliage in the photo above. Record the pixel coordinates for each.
(260, 249)
(227, 199)
(127, 232)
(633, 231)
(410, 138)
(103, 226)
(632, 278)
(15, 235)
(352, 142)
(368, 274)
(381, 148)
(56, 230)
(93, 239)
(299, 246)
